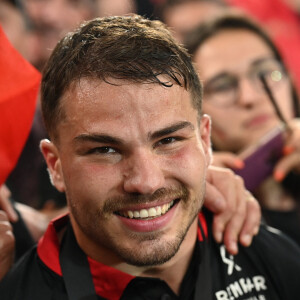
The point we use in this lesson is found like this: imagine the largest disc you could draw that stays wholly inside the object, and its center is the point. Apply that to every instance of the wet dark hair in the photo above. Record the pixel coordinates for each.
(235, 21)
(129, 48)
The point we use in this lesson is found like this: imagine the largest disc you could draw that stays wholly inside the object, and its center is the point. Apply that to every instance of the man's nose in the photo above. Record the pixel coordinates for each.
(143, 174)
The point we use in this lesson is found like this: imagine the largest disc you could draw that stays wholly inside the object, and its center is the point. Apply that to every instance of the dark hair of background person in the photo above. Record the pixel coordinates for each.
(92, 52)
(145, 8)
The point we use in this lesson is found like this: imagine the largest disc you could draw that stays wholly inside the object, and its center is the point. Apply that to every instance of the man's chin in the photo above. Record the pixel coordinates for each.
(150, 253)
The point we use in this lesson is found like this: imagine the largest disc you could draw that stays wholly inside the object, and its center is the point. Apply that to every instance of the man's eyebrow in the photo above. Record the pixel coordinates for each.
(98, 138)
(171, 129)
(107, 139)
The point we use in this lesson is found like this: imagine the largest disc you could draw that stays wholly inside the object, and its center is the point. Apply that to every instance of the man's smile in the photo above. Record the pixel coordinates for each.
(148, 213)
(153, 219)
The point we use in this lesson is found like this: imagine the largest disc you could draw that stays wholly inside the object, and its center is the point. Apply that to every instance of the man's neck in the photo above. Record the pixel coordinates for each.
(174, 270)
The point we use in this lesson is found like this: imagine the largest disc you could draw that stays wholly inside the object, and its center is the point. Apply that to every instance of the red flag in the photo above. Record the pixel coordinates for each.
(19, 86)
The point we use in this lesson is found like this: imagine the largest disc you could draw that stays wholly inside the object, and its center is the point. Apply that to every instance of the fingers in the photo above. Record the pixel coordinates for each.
(224, 180)
(214, 200)
(6, 205)
(6, 236)
(251, 224)
(291, 152)
(7, 244)
(237, 213)
(293, 137)
(288, 163)
(227, 159)
(233, 218)
(217, 190)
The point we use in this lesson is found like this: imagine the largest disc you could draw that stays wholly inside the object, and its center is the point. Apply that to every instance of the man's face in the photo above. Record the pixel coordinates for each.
(132, 160)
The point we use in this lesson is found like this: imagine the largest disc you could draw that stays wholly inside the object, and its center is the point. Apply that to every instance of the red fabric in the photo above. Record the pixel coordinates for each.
(283, 25)
(204, 226)
(109, 283)
(48, 245)
(19, 85)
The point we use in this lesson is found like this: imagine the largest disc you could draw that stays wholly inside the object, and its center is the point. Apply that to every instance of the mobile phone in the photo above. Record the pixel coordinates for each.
(261, 158)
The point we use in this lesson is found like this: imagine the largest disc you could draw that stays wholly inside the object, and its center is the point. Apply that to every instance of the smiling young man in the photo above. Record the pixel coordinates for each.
(131, 148)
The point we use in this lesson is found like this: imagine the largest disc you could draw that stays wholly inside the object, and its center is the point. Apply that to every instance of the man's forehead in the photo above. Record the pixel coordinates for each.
(93, 99)
(88, 87)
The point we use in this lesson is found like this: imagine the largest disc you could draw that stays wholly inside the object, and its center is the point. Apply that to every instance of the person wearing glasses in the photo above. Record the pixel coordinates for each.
(232, 53)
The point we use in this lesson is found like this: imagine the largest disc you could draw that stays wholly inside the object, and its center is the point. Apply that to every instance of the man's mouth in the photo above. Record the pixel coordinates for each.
(148, 213)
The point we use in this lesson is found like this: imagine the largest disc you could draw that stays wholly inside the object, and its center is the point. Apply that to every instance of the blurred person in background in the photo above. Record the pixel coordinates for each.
(294, 5)
(231, 52)
(19, 86)
(183, 15)
(282, 23)
(48, 21)
(125, 7)
(52, 19)
(14, 25)
(278, 17)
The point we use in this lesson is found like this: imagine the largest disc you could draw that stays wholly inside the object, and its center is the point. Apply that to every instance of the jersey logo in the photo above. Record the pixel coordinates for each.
(229, 261)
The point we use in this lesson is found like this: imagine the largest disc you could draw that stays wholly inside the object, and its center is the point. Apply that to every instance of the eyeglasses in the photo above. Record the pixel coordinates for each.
(223, 90)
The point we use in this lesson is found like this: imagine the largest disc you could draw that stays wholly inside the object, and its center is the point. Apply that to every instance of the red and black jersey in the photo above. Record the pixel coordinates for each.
(268, 269)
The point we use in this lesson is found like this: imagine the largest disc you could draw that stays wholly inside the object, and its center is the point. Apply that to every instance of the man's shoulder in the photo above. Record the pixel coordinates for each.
(269, 241)
(276, 256)
(276, 251)
(268, 269)
(273, 245)
(271, 250)
(30, 278)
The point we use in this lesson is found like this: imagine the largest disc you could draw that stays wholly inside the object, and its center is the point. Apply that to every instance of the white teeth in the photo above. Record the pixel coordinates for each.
(144, 213)
(136, 214)
(158, 210)
(150, 212)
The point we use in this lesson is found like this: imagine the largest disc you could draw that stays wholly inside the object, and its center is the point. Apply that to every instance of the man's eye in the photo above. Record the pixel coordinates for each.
(102, 150)
(167, 141)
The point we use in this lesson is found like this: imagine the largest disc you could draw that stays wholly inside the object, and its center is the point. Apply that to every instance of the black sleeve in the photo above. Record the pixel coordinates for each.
(30, 279)
(279, 257)
(272, 261)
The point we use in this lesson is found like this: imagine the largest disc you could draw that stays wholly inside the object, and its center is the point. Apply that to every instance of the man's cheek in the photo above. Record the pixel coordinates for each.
(190, 162)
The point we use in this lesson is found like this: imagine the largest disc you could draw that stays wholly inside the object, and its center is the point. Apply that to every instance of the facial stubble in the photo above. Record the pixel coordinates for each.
(152, 248)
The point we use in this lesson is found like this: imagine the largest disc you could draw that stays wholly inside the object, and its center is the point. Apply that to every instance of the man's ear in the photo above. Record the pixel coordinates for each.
(205, 130)
(50, 153)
